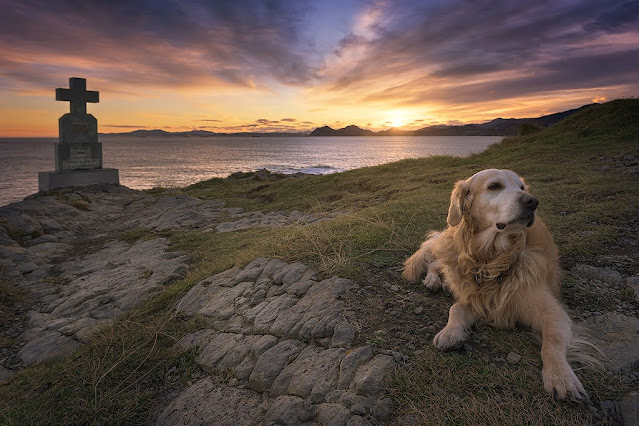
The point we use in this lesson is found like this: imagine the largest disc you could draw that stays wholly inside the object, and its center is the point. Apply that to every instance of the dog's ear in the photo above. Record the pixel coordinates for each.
(457, 198)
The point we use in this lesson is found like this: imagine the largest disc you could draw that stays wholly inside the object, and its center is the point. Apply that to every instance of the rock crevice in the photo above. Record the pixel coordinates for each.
(286, 339)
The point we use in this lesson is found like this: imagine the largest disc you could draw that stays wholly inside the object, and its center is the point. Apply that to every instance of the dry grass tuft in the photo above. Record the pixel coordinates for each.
(448, 388)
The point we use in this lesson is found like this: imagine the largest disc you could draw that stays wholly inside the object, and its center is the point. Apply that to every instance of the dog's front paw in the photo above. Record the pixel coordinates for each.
(410, 273)
(432, 281)
(449, 337)
(561, 383)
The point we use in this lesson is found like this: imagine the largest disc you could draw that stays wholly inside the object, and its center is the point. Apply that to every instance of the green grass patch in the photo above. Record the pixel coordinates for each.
(77, 201)
(141, 233)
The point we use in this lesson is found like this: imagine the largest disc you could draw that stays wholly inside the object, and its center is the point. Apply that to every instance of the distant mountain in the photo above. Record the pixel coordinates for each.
(496, 127)
(198, 134)
(346, 131)
(145, 133)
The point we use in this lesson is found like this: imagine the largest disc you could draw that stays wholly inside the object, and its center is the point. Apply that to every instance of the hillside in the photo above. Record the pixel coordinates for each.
(327, 250)
(496, 127)
(346, 131)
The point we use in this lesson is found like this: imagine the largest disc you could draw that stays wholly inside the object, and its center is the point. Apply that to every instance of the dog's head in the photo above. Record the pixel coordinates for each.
(493, 198)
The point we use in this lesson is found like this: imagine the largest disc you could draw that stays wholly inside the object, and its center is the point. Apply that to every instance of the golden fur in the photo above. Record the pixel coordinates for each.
(501, 264)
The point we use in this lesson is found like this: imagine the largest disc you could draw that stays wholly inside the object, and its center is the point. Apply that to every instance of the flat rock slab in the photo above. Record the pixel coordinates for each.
(219, 405)
(286, 337)
(270, 219)
(98, 287)
(617, 335)
(63, 250)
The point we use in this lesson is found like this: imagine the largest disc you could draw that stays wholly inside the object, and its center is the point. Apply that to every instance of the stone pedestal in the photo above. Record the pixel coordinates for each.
(51, 180)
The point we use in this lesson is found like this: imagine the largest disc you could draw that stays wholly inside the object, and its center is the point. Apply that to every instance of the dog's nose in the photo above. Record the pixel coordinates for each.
(529, 201)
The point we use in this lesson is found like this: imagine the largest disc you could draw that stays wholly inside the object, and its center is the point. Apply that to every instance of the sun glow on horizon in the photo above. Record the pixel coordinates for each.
(397, 122)
(409, 118)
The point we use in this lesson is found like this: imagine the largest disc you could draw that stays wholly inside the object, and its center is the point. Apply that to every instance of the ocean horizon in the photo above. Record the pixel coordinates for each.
(145, 163)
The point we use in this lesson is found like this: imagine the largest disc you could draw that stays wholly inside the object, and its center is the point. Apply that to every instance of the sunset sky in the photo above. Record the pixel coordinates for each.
(294, 65)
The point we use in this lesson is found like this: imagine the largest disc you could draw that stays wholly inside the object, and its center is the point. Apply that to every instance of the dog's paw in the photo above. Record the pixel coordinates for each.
(432, 281)
(410, 274)
(562, 383)
(449, 337)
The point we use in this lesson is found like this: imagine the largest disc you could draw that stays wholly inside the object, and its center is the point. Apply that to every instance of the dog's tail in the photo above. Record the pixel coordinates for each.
(417, 265)
(584, 351)
(581, 349)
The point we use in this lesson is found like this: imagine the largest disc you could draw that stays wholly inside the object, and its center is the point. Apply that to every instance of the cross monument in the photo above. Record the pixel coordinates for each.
(77, 95)
(78, 154)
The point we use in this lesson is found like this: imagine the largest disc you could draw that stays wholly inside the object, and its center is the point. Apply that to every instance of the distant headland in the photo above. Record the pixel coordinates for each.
(496, 127)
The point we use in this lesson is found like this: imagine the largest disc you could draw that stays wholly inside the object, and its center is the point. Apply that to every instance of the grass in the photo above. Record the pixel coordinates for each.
(583, 200)
(116, 379)
(588, 202)
(9, 296)
(141, 233)
(79, 202)
(449, 388)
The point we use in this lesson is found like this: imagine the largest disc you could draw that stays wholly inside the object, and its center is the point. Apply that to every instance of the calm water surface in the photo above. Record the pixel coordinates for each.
(173, 161)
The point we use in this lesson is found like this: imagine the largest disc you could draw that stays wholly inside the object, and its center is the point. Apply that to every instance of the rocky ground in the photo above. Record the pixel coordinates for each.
(297, 349)
(286, 339)
(63, 254)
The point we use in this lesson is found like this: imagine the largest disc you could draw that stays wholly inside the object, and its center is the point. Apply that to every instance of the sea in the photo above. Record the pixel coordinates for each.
(150, 162)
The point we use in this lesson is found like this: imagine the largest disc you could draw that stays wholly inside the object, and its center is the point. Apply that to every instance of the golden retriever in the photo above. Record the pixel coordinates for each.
(501, 264)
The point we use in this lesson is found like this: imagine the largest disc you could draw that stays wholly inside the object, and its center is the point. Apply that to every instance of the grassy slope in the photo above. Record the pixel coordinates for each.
(385, 211)
(584, 205)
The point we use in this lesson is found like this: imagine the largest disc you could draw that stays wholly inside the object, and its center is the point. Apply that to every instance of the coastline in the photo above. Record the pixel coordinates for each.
(145, 163)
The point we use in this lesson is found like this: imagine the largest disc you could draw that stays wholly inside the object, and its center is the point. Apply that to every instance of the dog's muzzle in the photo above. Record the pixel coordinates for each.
(526, 216)
(529, 205)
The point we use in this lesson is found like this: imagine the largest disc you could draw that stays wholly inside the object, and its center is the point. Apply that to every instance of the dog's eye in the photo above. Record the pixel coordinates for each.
(495, 186)
(522, 187)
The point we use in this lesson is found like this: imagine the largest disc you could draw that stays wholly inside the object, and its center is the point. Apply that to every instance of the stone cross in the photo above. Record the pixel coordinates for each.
(77, 95)
(78, 153)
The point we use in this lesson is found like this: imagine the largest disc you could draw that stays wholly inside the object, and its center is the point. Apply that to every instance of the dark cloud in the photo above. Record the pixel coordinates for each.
(463, 51)
(399, 52)
(265, 126)
(161, 42)
(351, 40)
(616, 19)
(577, 73)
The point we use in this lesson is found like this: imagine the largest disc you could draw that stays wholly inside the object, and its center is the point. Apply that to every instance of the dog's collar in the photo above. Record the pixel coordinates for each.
(497, 269)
